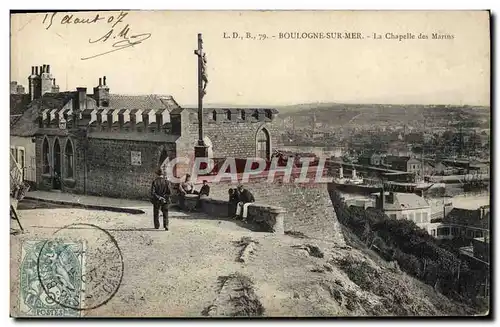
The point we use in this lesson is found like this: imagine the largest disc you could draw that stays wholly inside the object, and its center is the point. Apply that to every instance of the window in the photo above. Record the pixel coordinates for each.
(445, 231)
(263, 148)
(392, 216)
(433, 232)
(45, 157)
(411, 216)
(214, 115)
(21, 160)
(425, 217)
(69, 160)
(228, 114)
(242, 112)
(418, 217)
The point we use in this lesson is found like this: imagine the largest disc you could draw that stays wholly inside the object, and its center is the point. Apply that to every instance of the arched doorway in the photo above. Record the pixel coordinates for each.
(263, 144)
(56, 180)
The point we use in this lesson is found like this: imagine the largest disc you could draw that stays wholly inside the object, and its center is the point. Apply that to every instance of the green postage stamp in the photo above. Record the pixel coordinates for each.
(51, 279)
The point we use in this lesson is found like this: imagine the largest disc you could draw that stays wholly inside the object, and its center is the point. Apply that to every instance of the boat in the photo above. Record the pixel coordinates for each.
(355, 184)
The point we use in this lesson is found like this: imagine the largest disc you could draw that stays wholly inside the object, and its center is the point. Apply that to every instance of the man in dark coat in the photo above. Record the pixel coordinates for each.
(205, 189)
(245, 198)
(233, 202)
(160, 197)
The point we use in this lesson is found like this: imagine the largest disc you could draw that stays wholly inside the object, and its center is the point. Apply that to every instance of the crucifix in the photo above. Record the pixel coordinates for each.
(201, 148)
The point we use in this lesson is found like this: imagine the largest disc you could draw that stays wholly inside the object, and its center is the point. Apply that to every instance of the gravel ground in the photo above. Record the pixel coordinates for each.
(174, 273)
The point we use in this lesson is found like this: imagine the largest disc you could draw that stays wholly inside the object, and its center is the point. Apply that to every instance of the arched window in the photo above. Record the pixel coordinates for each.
(214, 115)
(228, 114)
(69, 158)
(263, 144)
(45, 157)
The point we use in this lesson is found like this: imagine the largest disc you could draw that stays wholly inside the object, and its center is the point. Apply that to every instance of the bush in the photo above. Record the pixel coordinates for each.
(416, 252)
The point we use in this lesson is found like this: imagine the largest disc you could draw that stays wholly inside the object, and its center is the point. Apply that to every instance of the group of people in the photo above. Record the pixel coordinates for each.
(161, 191)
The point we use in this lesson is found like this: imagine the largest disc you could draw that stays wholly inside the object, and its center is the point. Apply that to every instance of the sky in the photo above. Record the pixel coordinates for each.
(273, 71)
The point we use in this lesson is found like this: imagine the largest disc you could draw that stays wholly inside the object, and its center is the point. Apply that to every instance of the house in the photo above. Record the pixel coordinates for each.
(405, 206)
(109, 144)
(469, 219)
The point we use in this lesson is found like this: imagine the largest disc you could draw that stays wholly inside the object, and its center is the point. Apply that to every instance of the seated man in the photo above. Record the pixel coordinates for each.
(245, 198)
(204, 192)
(205, 189)
(187, 187)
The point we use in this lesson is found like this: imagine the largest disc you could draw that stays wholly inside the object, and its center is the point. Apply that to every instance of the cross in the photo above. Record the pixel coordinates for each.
(201, 92)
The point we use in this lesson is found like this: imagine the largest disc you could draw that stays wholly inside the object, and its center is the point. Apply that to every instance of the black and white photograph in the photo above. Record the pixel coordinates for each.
(250, 164)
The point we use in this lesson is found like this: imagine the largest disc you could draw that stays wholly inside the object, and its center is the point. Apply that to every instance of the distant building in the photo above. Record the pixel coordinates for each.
(407, 164)
(371, 159)
(16, 88)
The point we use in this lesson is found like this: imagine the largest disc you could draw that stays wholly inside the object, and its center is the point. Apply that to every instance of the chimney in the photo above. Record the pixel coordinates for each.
(48, 69)
(44, 68)
(32, 70)
(54, 82)
(104, 79)
(41, 70)
(82, 98)
(36, 70)
(100, 81)
(382, 200)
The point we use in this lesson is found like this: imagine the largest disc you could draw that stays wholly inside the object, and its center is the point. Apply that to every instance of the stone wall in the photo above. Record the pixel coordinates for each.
(308, 207)
(110, 171)
(271, 218)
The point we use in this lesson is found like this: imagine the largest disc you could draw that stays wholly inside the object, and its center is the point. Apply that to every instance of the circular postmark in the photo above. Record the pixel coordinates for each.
(81, 267)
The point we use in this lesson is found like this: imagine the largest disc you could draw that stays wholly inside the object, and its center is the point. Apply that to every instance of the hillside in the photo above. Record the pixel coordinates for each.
(194, 270)
(335, 114)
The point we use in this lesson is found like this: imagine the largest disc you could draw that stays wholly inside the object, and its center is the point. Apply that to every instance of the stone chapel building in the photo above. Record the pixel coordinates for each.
(108, 144)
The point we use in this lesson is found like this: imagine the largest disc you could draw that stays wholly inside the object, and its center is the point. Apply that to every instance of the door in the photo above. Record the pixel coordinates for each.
(22, 162)
(56, 180)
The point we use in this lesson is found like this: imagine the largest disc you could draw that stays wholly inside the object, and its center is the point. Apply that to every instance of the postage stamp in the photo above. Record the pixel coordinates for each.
(51, 275)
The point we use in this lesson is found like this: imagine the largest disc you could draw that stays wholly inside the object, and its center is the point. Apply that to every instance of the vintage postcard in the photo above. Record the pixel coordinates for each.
(250, 164)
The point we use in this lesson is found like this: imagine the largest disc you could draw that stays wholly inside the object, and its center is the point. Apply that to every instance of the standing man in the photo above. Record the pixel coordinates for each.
(160, 197)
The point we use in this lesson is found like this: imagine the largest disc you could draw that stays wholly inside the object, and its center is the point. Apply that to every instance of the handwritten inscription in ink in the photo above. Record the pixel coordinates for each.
(119, 34)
